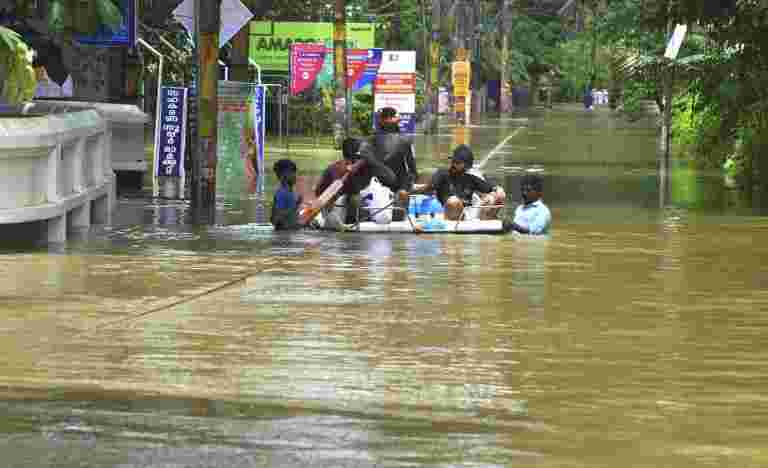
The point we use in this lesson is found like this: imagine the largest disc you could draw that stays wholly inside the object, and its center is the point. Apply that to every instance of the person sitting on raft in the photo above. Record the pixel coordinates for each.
(354, 149)
(455, 187)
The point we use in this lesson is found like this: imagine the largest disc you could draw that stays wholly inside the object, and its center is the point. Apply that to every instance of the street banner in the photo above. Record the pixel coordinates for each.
(234, 15)
(270, 41)
(170, 137)
(396, 83)
(240, 149)
(395, 86)
(404, 103)
(259, 129)
(460, 77)
(357, 61)
(306, 62)
(124, 35)
(371, 69)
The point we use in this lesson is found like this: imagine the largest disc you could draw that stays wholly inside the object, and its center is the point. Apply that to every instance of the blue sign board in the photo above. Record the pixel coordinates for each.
(259, 128)
(407, 123)
(124, 36)
(170, 136)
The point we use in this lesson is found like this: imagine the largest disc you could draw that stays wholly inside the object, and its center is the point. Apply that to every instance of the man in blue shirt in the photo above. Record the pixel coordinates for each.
(533, 216)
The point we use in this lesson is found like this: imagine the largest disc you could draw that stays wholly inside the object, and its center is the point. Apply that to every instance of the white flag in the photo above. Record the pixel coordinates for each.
(234, 15)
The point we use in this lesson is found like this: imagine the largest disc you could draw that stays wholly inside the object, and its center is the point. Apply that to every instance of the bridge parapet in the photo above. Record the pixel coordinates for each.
(55, 169)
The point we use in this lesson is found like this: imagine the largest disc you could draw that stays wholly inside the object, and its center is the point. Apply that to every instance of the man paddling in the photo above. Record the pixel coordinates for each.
(353, 150)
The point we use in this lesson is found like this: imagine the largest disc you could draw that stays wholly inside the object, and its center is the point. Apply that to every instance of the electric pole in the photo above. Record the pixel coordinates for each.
(341, 125)
(239, 66)
(434, 67)
(207, 22)
(506, 27)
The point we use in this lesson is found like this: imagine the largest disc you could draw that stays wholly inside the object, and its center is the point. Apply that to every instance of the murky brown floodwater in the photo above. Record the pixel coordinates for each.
(637, 335)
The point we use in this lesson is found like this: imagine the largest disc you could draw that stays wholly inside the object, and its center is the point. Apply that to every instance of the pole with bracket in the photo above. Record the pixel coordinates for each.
(156, 133)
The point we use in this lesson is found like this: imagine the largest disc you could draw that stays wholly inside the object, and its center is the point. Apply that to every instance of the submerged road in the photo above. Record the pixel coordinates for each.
(634, 335)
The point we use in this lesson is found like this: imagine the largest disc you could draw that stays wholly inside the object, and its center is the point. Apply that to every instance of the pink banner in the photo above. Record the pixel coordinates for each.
(357, 61)
(306, 63)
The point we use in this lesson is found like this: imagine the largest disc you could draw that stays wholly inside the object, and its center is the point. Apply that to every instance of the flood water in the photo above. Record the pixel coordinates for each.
(636, 335)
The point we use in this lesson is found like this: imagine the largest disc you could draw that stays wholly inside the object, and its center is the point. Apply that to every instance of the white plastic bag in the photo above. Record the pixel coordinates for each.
(378, 200)
(335, 214)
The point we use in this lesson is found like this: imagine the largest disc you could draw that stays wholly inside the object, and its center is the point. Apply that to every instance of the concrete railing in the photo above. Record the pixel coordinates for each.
(56, 169)
(126, 125)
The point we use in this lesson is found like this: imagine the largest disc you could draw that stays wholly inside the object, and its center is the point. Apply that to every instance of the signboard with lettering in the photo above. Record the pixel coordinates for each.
(270, 42)
(371, 69)
(259, 128)
(395, 86)
(306, 62)
(123, 35)
(460, 74)
(357, 60)
(170, 134)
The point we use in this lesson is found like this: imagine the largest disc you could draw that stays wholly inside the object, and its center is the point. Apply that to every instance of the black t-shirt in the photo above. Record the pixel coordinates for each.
(396, 151)
(462, 186)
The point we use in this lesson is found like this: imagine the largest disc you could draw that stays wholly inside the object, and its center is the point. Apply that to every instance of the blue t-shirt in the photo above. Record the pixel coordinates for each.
(534, 216)
(285, 199)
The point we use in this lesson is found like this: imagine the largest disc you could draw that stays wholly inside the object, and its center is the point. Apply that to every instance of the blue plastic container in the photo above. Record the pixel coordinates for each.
(415, 205)
(431, 206)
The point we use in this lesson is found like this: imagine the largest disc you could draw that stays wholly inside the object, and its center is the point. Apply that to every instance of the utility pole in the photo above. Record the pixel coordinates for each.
(434, 67)
(341, 125)
(240, 69)
(506, 27)
(207, 23)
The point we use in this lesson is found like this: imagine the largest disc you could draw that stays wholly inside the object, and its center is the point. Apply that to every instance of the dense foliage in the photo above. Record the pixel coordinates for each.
(17, 78)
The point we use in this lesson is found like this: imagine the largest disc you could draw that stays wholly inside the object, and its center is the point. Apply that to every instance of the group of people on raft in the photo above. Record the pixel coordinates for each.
(389, 162)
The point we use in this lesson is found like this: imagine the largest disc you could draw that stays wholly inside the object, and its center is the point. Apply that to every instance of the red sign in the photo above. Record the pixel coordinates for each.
(396, 83)
(306, 63)
(357, 61)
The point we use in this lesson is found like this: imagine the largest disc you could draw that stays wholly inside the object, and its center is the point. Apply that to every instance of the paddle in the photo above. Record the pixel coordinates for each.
(308, 213)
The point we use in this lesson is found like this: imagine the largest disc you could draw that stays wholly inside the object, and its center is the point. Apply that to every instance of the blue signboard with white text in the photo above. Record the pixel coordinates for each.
(170, 136)
(259, 128)
(123, 35)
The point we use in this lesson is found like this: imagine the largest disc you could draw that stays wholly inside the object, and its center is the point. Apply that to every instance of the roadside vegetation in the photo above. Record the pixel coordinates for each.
(720, 105)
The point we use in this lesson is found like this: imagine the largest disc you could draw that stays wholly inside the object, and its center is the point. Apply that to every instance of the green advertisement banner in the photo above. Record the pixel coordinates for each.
(270, 41)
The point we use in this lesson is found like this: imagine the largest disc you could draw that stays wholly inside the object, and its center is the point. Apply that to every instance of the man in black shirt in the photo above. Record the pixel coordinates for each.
(455, 187)
(396, 151)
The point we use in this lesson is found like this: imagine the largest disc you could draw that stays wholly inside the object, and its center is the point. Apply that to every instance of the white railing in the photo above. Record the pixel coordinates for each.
(56, 169)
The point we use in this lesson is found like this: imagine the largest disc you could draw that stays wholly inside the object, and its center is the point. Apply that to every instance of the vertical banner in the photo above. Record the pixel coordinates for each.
(395, 86)
(372, 65)
(357, 62)
(238, 141)
(170, 136)
(259, 127)
(306, 63)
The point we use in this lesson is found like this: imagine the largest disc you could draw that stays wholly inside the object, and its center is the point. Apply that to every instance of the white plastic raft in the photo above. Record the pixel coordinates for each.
(433, 226)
